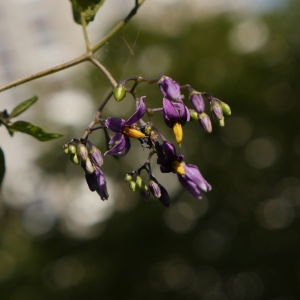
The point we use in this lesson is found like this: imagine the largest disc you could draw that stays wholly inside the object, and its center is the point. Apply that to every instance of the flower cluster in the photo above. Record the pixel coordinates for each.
(175, 114)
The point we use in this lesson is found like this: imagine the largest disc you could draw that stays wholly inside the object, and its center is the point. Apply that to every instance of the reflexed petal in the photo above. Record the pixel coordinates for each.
(138, 114)
(118, 147)
(190, 186)
(169, 112)
(127, 146)
(115, 124)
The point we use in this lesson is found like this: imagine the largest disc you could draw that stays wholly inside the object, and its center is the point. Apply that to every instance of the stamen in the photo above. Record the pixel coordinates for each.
(177, 129)
(130, 132)
(178, 168)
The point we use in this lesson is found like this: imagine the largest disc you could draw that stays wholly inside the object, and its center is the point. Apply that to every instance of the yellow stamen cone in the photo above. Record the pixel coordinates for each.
(178, 168)
(133, 133)
(178, 132)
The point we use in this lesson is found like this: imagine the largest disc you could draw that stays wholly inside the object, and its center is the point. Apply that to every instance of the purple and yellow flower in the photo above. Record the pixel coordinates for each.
(170, 89)
(188, 175)
(124, 130)
(175, 116)
(193, 181)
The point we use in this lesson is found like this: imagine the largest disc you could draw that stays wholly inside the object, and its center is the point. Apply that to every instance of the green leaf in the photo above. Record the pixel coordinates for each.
(88, 8)
(22, 107)
(33, 130)
(2, 166)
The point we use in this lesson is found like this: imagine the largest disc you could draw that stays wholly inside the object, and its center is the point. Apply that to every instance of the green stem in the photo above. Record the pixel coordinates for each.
(84, 57)
(104, 70)
(118, 26)
(49, 71)
(86, 38)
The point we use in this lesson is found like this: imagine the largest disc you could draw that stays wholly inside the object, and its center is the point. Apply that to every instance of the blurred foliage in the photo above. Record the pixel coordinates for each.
(242, 240)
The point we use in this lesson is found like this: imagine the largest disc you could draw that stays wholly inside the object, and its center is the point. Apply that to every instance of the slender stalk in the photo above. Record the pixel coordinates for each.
(84, 57)
(101, 43)
(104, 70)
(49, 71)
(86, 38)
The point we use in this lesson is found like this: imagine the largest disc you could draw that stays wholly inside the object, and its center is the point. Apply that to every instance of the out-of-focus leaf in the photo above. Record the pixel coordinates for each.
(88, 8)
(32, 130)
(22, 107)
(2, 166)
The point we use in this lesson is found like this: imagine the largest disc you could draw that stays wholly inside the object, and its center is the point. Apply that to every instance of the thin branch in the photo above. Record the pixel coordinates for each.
(86, 38)
(49, 71)
(101, 43)
(104, 70)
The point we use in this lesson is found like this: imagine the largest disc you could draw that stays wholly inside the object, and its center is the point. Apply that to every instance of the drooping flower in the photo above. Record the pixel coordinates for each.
(124, 130)
(175, 116)
(97, 182)
(193, 181)
(170, 89)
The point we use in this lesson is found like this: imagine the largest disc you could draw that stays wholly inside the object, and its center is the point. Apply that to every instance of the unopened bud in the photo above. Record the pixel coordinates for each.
(128, 177)
(145, 192)
(147, 129)
(66, 148)
(74, 158)
(132, 185)
(82, 151)
(197, 102)
(119, 92)
(139, 182)
(194, 115)
(72, 149)
(216, 109)
(205, 122)
(96, 156)
(154, 189)
(226, 108)
(87, 166)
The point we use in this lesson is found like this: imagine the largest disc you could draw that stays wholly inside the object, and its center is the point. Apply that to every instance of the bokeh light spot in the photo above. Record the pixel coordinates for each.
(262, 153)
(248, 36)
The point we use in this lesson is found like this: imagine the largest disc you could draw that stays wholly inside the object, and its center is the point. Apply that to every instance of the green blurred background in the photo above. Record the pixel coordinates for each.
(241, 241)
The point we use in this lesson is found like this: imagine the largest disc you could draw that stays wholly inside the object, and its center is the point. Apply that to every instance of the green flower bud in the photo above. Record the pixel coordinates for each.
(128, 177)
(147, 129)
(221, 122)
(226, 108)
(139, 182)
(194, 115)
(119, 92)
(66, 148)
(74, 158)
(132, 185)
(82, 151)
(72, 149)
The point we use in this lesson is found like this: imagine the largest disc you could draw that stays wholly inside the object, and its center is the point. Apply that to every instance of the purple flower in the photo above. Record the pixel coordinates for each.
(175, 116)
(193, 181)
(175, 112)
(167, 157)
(97, 182)
(170, 89)
(124, 130)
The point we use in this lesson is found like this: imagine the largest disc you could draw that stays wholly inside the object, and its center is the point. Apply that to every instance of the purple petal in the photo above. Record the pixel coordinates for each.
(127, 146)
(91, 180)
(115, 124)
(138, 114)
(169, 112)
(118, 147)
(190, 186)
(101, 184)
(170, 89)
(164, 198)
(194, 175)
(197, 102)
